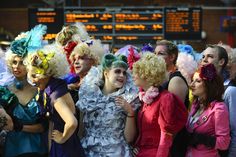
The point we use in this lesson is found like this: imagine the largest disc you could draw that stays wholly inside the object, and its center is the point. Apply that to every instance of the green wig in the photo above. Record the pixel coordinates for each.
(111, 61)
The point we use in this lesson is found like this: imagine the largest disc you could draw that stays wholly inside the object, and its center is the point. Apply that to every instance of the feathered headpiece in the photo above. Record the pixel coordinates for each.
(208, 72)
(125, 50)
(28, 41)
(147, 48)
(132, 58)
(190, 51)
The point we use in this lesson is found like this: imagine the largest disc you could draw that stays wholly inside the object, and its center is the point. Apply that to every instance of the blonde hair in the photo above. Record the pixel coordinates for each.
(151, 68)
(95, 51)
(52, 57)
(76, 32)
(9, 57)
(65, 35)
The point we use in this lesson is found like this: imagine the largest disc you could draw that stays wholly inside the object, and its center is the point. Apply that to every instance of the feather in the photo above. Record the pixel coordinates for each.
(35, 37)
(82, 32)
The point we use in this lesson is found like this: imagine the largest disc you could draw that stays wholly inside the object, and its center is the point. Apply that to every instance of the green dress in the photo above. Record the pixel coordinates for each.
(20, 142)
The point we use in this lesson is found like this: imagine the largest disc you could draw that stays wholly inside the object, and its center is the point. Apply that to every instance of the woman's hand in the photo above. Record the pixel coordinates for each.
(9, 122)
(57, 136)
(125, 105)
(73, 86)
(130, 126)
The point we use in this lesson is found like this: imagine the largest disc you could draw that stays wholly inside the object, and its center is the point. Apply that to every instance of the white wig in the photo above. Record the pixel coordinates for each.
(186, 65)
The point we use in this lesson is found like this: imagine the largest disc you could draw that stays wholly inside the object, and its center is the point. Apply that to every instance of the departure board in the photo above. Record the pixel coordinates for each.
(183, 23)
(120, 26)
(139, 17)
(98, 22)
(51, 17)
(77, 16)
(136, 40)
(124, 25)
(138, 26)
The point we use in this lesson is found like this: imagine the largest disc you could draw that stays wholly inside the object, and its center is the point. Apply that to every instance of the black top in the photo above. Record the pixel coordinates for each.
(166, 85)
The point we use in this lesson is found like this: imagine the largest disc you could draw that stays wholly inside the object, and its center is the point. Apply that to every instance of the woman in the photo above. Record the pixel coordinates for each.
(208, 122)
(162, 114)
(44, 69)
(109, 121)
(19, 100)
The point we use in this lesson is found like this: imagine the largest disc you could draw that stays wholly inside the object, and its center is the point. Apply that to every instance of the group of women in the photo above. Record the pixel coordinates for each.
(123, 112)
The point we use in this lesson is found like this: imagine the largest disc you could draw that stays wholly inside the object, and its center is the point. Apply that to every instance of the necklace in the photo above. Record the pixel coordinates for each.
(20, 84)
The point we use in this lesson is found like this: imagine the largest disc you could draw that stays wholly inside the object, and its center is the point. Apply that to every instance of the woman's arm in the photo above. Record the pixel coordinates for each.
(9, 123)
(34, 128)
(178, 87)
(14, 124)
(130, 128)
(222, 130)
(61, 105)
(169, 122)
(130, 125)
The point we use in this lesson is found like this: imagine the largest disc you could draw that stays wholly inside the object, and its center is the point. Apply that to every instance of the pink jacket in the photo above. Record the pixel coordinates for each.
(213, 121)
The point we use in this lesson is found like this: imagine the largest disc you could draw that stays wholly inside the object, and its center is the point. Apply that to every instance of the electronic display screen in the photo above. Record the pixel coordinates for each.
(183, 23)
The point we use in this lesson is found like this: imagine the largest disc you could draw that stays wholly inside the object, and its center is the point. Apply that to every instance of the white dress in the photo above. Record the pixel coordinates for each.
(104, 121)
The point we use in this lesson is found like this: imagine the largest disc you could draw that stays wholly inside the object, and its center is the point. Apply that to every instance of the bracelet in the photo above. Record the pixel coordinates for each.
(130, 116)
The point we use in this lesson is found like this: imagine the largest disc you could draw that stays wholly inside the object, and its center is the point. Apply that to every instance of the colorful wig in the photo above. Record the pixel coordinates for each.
(26, 43)
(111, 61)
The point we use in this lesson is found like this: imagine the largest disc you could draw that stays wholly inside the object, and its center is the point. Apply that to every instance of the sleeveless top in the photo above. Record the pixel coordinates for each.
(172, 75)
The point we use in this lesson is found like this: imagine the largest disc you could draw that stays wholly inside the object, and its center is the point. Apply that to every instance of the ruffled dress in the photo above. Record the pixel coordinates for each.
(20, 142)
(104, 121)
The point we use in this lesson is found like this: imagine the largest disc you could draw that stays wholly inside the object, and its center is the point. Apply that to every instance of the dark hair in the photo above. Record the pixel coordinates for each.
(214, 90)
(222, 53)
(172, 49)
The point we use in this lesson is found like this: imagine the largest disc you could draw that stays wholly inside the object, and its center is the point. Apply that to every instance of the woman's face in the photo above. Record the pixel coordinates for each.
(18, 68)
(197, 86)
(115, 77)
(33, 78)
(139, 82)
(82, 64)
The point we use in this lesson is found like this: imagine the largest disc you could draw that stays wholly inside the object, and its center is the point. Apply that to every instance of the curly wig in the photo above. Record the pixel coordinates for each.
(95, 51)
(151, 68)
(48, 61)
